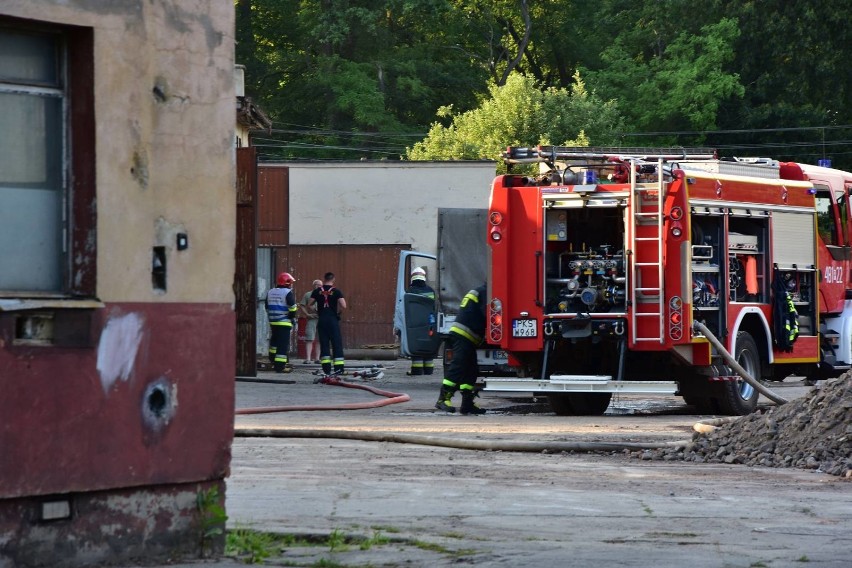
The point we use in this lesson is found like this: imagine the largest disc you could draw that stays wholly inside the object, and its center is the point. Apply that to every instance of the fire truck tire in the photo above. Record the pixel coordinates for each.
(560, 404)
(579, 403)
(738, 398)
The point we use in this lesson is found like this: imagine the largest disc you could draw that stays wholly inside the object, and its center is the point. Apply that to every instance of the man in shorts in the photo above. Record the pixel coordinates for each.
(310, 314)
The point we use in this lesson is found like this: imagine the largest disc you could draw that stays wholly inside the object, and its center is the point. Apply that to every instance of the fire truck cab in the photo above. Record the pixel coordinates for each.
(601, 261)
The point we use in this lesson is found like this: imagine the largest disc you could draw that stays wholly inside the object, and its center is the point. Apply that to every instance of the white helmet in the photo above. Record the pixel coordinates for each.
(418, 274)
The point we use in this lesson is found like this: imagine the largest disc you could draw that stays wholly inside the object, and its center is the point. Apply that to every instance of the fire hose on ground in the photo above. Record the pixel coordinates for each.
(400, 438)
(555, 446)
(390, 398)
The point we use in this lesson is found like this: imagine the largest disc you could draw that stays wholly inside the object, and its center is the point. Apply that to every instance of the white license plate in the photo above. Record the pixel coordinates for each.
(499, 356)
(524, 328)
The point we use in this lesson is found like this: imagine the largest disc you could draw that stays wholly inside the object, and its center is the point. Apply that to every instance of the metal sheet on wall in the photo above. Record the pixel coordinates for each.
(367, 276)
(265, 279)
(273, 196)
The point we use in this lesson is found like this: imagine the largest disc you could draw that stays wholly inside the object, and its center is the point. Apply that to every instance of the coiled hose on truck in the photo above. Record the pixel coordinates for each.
(485, 445)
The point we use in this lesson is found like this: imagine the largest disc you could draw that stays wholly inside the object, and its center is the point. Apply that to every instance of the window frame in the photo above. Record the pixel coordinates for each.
(79, 231)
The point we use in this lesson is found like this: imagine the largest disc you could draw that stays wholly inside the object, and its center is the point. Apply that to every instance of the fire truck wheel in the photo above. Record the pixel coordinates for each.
(738, 397)
(580, 403)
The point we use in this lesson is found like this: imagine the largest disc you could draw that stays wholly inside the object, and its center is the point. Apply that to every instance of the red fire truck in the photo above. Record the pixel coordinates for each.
(602, 260)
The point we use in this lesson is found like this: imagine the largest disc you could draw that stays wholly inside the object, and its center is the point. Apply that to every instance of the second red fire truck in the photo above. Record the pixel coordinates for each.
(602, 261)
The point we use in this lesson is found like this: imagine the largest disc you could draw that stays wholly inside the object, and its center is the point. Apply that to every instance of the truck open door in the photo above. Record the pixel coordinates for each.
(415, 316)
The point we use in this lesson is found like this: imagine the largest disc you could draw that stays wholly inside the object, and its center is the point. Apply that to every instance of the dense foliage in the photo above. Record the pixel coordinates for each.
(539, 116)
(462, 78)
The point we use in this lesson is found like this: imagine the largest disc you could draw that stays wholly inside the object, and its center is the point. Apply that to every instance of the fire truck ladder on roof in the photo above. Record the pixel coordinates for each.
(647, 213)
(552, 154)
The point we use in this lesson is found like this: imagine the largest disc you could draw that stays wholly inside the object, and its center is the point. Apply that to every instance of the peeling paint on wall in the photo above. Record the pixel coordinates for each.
(118, 347)
(139, 169)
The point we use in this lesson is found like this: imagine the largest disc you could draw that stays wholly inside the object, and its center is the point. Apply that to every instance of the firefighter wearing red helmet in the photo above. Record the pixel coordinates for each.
(281, 308)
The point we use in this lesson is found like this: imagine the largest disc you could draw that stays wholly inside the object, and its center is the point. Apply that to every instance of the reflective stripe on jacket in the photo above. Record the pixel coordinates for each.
(281, 306)
(470, 322)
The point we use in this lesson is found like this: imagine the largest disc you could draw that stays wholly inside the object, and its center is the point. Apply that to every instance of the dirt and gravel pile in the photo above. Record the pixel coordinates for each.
(813, 432)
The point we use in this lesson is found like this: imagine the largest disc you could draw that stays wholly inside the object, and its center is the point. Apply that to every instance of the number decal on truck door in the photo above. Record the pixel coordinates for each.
(833, 274)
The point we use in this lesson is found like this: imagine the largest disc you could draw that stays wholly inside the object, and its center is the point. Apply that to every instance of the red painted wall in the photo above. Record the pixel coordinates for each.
(79, 419)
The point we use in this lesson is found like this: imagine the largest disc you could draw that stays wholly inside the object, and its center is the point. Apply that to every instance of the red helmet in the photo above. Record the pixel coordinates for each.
(285, 279)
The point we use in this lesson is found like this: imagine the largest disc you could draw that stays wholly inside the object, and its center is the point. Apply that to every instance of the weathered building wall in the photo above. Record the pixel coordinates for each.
(364, 203)
(123, 409)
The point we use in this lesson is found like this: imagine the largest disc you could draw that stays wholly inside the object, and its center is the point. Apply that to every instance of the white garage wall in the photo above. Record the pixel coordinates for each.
(378, 202)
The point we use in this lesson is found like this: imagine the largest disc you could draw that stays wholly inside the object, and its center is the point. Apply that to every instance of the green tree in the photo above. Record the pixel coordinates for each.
(673, 85)
(794, 66)
(331, 70)
(520, 113)
(363, 78)
(495, 36)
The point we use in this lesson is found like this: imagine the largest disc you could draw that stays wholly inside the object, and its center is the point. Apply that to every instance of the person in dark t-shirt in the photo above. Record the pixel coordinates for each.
(330, 303)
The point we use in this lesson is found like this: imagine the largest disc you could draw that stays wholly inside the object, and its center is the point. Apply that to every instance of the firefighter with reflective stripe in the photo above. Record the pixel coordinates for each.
(281, 308)
(785, 316)
(421, 365)
(330, 304)
(464, 336)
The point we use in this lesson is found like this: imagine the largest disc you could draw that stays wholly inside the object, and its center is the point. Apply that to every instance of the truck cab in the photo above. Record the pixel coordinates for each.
(459, 265)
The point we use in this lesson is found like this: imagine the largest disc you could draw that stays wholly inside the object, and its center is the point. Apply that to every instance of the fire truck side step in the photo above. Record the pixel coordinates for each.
(579, 383)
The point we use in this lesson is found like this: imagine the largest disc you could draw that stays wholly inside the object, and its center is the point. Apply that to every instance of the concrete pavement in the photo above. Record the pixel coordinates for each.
(414, 505)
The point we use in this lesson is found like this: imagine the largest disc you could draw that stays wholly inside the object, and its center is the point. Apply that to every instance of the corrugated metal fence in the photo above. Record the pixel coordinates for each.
(366, 274)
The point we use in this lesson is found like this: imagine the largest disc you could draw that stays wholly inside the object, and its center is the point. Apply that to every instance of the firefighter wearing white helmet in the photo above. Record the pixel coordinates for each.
(281, 308)
(421, 365)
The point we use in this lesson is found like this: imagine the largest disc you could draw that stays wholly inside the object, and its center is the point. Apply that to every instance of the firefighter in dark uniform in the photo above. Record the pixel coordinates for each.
(464, 336)
(421, 365)
(281, 308)
(330, 304)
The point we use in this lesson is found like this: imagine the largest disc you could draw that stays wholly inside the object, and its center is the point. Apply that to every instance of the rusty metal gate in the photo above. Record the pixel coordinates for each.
(245, 283)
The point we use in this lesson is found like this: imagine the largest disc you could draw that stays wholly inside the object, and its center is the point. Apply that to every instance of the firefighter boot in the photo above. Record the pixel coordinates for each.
(445, 397)
(467, 405)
